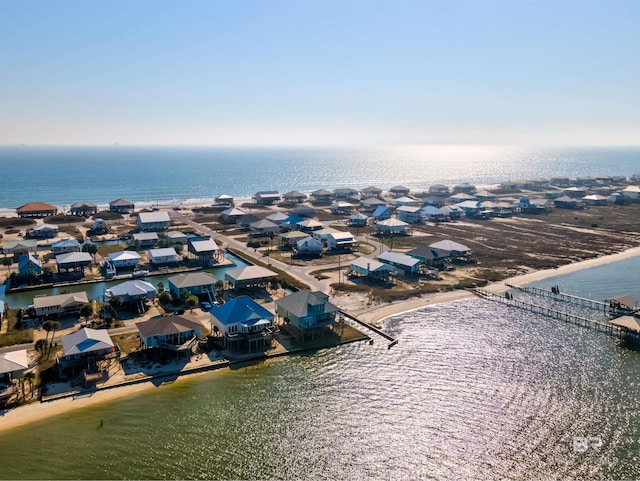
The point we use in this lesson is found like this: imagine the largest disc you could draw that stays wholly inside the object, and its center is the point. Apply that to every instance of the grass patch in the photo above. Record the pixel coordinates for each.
(127, 342)
(16, 222)
(105, 250)
(14, 335)
(64, 219)
(107, 215)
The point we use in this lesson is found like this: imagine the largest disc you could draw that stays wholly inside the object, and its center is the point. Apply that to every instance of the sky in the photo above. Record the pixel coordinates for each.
(319, 72)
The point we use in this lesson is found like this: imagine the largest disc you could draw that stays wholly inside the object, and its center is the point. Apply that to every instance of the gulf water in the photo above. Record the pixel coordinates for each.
(62, 176)
(472, 390)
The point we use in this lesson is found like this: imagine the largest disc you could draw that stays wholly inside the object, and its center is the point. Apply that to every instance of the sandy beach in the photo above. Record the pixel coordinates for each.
(37, 411)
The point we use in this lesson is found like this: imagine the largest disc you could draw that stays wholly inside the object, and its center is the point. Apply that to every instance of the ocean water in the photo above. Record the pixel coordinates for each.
(473, 390)
(62, 176)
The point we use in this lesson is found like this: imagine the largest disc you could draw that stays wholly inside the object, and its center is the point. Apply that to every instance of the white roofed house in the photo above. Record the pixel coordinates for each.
(205, 250)
(310, 225)
(323, 234)
(19, 248)
(44, 231)
(61, 305)
(308, 246)
(277, 217)
(371, 268)
(266, 197)
(430, 213)
(250, 276)
(632, 192)
(372, 203)
(177, 237)
(294, 197)
(595, 200)
(153, 221)
(322, 195)
(85, 350)
(289, 239)
(358, 219)
(409, 214)
(223, 199)
(165, 256)
(65, 245)
(310, 313)
(410, 201)
(451, 250)
(13, 365)
(74, 261)
(132, 290)
(341, 241)
(123, 259)
(393, 227)
(471, 208)
(340, 207)
(232, 215)
(345, 193)
(465, 187)
(196, 283)
(99, 226)
(242, 324)
(263, 227)
(145, 239)
(402, 263)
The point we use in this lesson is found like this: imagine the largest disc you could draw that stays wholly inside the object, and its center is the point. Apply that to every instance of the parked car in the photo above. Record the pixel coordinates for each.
(206, 306)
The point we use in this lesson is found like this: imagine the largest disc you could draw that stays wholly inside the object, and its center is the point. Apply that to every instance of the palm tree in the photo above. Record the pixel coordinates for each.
(30, 376)
(7, 261)
(192, 301)
(86, 311)
(50, 327)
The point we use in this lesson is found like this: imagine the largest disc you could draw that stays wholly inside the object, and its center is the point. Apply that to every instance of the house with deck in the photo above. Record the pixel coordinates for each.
(310, 313)
(65, 246)
(122, 260)
(566, 202)
(13, 365)
(345, 193)
(371, 268)
(198, 283)
(44, 231)
(176, 333)
(266, 197)
(371, 191)
(132, 291)
(121, 206)
(232, 215)
(245, 221)
(61, 305)
(341, 241)
(153, 221)
(83, 209)
(19, 248)
(143, 240)
(372, 203)
(310, 225)
(176, 237)
(430, 213)
(242, 324)
(322, 195)
(402, 263)
(204, 249)
(340, 207)
(249, 277)
(439, 189)
(85, 348)
(448, 249)
(263, 227)
(358, 219)
(223, 199)
(74, 261)
(407, 201)
(309, 246)
(393, 226)
(289, 239)
(36, 210)
(464, 187)
(632, 192)
(164, 257)
(399, 191)
(409, 214)
(278, 218)
(294, 197)
(382, 212)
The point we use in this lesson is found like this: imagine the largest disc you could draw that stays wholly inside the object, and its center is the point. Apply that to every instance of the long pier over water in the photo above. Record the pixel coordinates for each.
(553, 311)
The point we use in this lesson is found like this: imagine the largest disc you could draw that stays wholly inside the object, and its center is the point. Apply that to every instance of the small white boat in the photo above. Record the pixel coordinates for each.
(140, 273)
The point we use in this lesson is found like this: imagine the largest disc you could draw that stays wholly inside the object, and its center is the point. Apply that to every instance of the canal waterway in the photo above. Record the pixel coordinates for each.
(472, 390)
(96, 290)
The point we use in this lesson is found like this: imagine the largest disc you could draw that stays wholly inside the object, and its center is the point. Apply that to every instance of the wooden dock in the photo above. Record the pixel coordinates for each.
(554, 313)
(393, 341)
(557, 296)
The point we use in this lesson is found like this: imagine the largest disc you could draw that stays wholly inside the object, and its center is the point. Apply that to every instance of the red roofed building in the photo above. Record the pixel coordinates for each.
(36, 209)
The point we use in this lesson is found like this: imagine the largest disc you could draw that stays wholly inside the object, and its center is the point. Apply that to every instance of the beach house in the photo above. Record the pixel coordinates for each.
(29, 265)
(322, 195)
(177, 333)
(371, 268)
(13, 365)
(345, 193)
(83, 349)
(278, 218)
(409, 214)
(341, 241)
(402, 263)
(19, 248)
(310, 313)
(263, 227)
(266, 197)
(439, 189)
(392, 226)
(371, 204)
(153, 221)
(430, 213)
(74, 261)
(196, 283)
(231, 215)
(358, 219)
(83, 209)
(382, 212)
(44, 231)
(310, 225)
(176, 237)
(309, 246)
(121, 206)
(249, 276)
(294, 197)
(340, 207)
(143, 240)
(448, 249)
(61, 305)
(132, 291)
(164, 256)
(65, 246)
(399, 191)
(123, 259)
(242, 324)
(371, 191)
(204, 249)
(223, 199)
(36, 210)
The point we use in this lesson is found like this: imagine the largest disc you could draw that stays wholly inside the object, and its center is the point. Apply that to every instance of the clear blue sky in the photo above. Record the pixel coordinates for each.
(319, 72)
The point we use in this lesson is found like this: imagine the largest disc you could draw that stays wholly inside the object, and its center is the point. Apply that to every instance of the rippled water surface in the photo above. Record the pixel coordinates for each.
(471, 390)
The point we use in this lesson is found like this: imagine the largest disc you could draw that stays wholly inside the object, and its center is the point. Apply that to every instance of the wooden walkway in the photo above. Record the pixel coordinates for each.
(393, 340)
(554, 313)
(557, 296)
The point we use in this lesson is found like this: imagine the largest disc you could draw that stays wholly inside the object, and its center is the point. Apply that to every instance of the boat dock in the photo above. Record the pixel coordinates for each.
(393, 340)
(554, 312)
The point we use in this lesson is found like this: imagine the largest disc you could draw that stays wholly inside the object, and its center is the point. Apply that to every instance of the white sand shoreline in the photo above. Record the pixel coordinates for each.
(35, 412)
